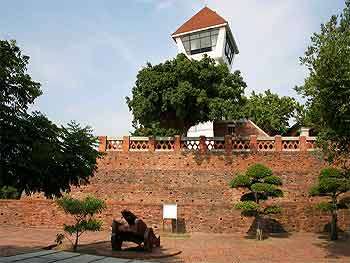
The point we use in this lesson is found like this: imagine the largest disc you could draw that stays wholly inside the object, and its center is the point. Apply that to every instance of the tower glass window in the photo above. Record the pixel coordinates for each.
(200, 42)
(229, 50)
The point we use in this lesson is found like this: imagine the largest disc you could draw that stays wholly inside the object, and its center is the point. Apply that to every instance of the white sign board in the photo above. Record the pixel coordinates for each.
(169, 211)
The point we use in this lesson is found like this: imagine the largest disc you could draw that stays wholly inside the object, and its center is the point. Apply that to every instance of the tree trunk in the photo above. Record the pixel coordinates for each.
(75, 246)
(334, 228)
(259, 230)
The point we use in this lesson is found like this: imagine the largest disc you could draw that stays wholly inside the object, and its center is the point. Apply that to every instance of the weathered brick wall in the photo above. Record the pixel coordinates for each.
(143, 181)
(242, 129)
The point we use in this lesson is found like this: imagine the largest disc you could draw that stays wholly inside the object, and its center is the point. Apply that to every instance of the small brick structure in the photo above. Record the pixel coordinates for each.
(141, 175)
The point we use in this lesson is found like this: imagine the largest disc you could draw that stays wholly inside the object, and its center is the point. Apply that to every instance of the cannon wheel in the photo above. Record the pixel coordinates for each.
(148, 244)
(116, 242)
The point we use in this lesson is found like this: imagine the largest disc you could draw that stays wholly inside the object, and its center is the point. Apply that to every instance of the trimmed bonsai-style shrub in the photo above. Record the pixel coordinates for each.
(260, 184)
(332, 183)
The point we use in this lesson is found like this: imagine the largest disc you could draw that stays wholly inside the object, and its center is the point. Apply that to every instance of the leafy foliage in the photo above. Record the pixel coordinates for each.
(35, 154)
(271, 112)
(325, 206)
(328, 84)
(83, 212)
(274, 180)
(258, 171)
(9, 192)
(180, 93)
(332, 182)
(261, 185)
(247, 206)
(273, 209)
(241, 180)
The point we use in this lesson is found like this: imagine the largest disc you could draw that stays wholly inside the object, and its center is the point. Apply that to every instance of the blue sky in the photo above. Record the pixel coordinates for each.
(87, 53)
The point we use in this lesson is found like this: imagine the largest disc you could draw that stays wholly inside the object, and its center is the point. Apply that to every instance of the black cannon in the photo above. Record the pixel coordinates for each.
(135, 230)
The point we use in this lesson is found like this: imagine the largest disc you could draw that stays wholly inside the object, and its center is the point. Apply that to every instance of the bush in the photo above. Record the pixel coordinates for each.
(83, 212)
(9, 192)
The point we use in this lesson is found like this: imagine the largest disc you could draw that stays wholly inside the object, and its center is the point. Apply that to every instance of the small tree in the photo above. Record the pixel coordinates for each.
(82, 212)
(261, 184)
(332, 183)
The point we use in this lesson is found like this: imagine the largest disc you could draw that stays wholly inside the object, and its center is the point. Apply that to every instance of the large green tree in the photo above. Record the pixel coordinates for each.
(35, 154)
(327, 88)
(179, 93)
(271, 112)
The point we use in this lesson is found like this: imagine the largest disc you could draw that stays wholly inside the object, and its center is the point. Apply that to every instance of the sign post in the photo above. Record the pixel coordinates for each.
(170, 212)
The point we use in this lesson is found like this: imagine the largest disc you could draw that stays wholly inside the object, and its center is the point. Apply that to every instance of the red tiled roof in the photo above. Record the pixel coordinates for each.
(204, 18)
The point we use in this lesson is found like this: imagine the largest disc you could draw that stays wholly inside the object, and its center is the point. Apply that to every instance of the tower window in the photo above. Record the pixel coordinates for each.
(229, 50)
(200, 42)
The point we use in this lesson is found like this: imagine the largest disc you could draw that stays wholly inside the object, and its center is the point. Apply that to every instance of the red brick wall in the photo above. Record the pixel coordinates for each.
(242, 129)
(142, 181)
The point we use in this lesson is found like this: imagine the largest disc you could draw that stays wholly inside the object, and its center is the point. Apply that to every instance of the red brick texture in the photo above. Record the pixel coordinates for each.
(242, 129)
(198, 183)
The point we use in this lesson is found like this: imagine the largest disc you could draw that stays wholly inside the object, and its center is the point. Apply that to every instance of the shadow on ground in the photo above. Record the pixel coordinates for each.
(271, 228)
(10, 250)
(129, 251)
(335, 249)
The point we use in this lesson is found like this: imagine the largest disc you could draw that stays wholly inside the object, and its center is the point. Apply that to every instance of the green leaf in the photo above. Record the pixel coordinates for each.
(241, 180)
(273, 209)
(247, 206)
(171, 97)
(326, 87)
(324, 206)
(258, 171)
(275, 180)
(330, 172)
(9, 192)
(264, 188)
(88, 206)
(272, 112)
(314, 191)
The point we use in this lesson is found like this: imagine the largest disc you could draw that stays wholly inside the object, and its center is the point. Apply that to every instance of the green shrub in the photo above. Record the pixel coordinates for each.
(82, 212)
(9, 192)
(261, 185)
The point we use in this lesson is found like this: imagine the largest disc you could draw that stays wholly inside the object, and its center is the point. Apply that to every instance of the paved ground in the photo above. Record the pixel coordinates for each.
(202, 247)
(48, 256)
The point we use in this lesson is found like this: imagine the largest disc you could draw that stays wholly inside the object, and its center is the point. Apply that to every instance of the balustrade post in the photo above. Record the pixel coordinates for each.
(228, 144)
(151, 144)
(202, 145)
(278, 143)
(126, 143)
(102, 143)
(302, 144)
(253, 144)
(177, 144)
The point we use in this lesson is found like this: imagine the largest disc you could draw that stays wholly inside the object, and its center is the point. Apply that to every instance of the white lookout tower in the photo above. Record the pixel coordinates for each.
(206, 33)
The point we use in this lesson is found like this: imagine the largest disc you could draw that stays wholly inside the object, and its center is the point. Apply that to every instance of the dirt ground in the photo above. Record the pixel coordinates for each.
(202, 247)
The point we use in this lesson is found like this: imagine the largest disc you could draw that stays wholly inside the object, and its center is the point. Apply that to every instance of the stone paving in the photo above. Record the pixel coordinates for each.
(199, 247)
(48, 256)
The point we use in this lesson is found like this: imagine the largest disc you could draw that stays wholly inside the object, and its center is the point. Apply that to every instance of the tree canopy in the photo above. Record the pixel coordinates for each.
(180, 93)
(35, 154)
(271, 112)
(327, 88)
